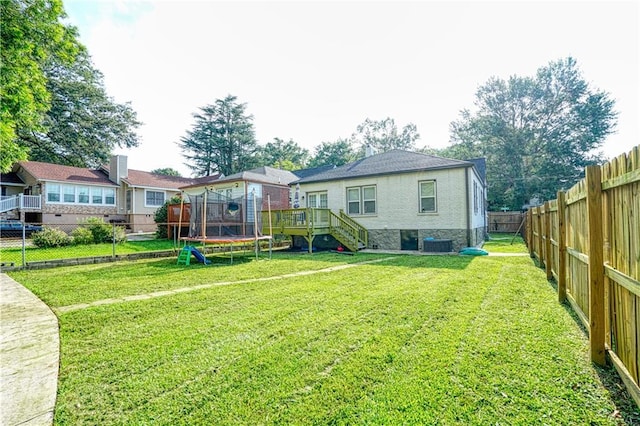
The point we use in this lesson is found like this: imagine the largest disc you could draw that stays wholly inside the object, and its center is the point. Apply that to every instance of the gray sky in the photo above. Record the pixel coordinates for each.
(313, 71)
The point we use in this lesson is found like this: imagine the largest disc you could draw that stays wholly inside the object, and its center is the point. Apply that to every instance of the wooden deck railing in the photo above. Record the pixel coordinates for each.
(309, 222)
(362, 233)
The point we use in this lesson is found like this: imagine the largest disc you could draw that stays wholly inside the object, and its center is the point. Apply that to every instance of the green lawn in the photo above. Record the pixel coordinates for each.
(407, 340)
(35, 254)
(504, 243)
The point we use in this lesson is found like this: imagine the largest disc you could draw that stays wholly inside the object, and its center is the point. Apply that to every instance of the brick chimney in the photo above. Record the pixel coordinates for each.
(118, 168)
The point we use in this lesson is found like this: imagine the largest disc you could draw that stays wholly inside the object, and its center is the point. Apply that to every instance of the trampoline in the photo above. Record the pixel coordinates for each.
(218, 220)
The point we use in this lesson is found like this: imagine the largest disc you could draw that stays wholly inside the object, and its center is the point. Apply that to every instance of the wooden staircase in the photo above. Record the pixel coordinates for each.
(348, 232)
(309, 223)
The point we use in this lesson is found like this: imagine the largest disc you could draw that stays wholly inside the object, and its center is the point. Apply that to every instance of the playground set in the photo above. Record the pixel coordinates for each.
(220, 221)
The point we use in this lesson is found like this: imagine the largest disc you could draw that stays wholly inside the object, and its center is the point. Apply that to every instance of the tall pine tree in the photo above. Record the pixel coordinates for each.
(222, 139)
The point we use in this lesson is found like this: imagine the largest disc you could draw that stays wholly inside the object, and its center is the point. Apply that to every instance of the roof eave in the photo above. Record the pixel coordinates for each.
(450, 166)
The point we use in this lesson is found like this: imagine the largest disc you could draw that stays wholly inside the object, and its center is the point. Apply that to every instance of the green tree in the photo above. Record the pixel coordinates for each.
(284, 155)
(537, 133)
(167, 171)
(83, 125)
(221, 140)
(30, 35)
(161, 216)
(383, 135)
(336, 153)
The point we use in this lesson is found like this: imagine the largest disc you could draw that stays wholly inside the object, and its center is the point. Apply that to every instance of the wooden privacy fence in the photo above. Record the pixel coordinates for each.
(505, 221)
(588, 240)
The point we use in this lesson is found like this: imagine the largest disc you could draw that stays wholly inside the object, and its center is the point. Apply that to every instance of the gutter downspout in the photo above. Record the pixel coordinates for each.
(467, 213)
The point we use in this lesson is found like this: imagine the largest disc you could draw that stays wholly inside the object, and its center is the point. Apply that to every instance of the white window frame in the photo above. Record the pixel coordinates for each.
(146, 199)
(361, 201)
(96, 192)
(319, 198)
(106, 194)
(83, 191)
(59, 190)
(434, 196)
(475, 197)
(50, 191)
(369, 200)
(65, 193)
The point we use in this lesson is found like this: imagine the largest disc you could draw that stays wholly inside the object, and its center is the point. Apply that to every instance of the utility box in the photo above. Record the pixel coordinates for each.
(431, 245)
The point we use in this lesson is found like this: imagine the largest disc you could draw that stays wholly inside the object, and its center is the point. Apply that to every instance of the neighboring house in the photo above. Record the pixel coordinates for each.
(403, 198)
(269, 186)
(64, 195)
(142, 193)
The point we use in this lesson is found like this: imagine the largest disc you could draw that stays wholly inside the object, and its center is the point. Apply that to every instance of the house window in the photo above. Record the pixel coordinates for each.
(353, 200)
(68, 194)
(369, 199)
(96, 195)
(475, 197)
(110, 196)
(128, 200)
(428, 196)
(83, 195)
(361, 200)
(317, 200)
(53, 193)
(73, 194)
(154, 198)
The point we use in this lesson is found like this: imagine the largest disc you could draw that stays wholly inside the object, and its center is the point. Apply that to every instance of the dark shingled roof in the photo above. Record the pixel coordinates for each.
(390, 162)
(303, 173)
(481, 167)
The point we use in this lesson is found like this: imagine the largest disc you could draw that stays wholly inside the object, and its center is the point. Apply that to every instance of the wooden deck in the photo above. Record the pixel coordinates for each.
(309, 223)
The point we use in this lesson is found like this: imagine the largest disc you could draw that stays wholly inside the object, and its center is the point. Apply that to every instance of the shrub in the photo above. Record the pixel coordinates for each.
(51, 237)
(120, 234)
(100, 230)
(103, 232)
(82, 235)
(161, 217)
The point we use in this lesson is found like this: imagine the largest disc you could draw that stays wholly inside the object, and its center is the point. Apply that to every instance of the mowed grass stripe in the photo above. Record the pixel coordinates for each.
(172, 292)
(88, 283)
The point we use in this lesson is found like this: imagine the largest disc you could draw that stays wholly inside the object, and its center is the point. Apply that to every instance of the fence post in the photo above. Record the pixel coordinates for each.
(547, 241)
(530, 232)
(113, 238)
(540, 241)
(24, 246)
(562, 249)
(596, 265)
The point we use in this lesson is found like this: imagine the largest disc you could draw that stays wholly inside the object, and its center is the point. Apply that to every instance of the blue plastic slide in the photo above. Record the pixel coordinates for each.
(196, 253)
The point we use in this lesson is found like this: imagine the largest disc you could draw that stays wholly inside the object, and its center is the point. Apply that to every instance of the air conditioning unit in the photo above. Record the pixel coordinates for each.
(431, 245)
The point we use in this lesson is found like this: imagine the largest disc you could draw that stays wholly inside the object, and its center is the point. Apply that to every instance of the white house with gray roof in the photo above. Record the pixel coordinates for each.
(405, 200)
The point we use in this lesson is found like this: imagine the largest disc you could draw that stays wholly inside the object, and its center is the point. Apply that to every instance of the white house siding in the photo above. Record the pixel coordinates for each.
(397, 206)
(478, 216)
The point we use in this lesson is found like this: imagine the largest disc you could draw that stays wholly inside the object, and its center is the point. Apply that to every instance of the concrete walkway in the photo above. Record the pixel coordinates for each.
(29, 355)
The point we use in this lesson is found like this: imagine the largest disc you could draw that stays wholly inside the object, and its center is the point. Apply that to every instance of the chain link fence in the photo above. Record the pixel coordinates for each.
(35, 246)
(89, 241)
